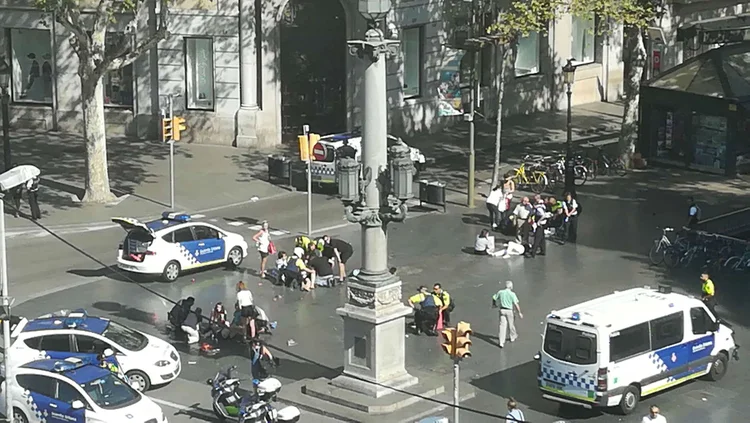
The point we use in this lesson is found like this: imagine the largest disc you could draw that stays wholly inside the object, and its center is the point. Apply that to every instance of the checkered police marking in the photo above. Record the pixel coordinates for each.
(189, 257)
(323, 169)
(659, 365)
(568, 379)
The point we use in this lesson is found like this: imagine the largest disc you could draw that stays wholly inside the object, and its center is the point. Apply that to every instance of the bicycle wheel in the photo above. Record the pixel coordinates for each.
(672, 257)
(580, 175)
(656, 253)
(732, 263)
(617, 167)
(539, 183)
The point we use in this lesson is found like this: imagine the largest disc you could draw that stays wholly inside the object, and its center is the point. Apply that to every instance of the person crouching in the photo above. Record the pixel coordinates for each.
(426, 311)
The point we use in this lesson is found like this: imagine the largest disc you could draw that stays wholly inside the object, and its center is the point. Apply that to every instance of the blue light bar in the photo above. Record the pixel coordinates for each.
(575, 316)
(179, 217)
(69, 363)
(76, 318)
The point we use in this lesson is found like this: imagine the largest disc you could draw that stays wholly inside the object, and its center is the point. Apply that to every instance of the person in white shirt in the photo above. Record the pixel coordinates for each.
(654, 416)
(494, 199)
(522, 212)
(247, 308)
(485, 246)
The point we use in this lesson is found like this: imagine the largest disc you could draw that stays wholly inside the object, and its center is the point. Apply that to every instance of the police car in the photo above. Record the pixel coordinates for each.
(323, 169)
(145, 360)
(73, 391)
(174, 243)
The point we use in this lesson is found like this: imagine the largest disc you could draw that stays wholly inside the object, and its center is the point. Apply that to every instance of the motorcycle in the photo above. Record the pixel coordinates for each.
(229, 406)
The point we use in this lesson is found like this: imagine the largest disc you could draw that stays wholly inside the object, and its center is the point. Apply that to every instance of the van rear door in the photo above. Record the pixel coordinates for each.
(569, 362)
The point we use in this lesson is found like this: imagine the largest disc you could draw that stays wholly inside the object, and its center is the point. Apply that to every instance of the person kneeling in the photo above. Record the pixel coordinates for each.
(191, 324)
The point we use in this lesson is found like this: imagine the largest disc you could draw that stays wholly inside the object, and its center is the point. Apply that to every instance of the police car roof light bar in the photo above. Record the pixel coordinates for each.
(70, 363)
(75, 318)
(179, 217)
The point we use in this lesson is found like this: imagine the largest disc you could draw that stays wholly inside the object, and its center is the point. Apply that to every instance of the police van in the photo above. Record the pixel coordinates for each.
(613, 350)
(323, 168)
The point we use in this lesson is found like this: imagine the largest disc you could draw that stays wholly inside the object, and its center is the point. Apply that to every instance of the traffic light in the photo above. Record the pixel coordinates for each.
(166, 129)
(314, 138)
(178, 125)
(449, 338)
(463, 331)
(304, 148)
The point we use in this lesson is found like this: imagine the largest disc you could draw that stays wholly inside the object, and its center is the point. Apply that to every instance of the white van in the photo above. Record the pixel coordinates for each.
(613, 350)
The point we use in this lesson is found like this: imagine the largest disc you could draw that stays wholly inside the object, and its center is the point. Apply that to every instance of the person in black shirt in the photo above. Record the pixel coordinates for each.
(32, 186)
(341, 250)
(346, 151)
(322, 267)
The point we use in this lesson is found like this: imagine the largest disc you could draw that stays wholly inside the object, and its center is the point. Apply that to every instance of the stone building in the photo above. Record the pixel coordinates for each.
(252, 72)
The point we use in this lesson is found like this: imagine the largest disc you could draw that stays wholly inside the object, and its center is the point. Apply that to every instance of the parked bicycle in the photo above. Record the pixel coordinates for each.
(659, 249)
(530, 175)
(738, 263)
(554, 169)
(605, 165)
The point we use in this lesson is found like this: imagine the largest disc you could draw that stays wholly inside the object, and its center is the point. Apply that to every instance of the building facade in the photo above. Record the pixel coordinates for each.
(252, 72)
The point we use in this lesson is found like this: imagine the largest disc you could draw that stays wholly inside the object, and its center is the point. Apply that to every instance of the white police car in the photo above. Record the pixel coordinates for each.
(145, 360)
(175, 243)
(73, 391)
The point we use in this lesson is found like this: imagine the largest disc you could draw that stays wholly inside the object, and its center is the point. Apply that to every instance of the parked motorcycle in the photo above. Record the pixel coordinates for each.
(254, 407)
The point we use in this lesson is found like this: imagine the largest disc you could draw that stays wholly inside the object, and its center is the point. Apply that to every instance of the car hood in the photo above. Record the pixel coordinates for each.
(141, 411)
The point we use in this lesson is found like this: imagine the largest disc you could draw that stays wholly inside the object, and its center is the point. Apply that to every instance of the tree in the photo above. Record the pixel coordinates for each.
(635, 16)
(98, 55)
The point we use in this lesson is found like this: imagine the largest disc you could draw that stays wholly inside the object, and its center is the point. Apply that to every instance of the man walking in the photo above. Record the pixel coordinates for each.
(654, 416)
(708, 293)
(507, 301)
(694, 213)
(514, 414)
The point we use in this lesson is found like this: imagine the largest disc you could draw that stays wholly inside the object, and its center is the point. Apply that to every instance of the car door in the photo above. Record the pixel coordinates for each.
(57, 346)
(65, 394)
(186, 246)
(210, 244)
(700, 339)
(39, 395)
(89, 347)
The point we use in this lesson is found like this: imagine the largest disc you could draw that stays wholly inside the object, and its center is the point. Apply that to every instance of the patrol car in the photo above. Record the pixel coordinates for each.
(323, 169)
(145, 360)
(175, 243)
(73, 391)
(614, 350)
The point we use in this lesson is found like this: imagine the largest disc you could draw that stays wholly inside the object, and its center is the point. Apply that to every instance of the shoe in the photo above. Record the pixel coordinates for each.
(513, 339)
(506, 256)
(501, 346)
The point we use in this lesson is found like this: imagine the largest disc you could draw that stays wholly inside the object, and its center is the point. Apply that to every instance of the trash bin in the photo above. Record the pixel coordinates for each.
(280, 168)
(432, 192)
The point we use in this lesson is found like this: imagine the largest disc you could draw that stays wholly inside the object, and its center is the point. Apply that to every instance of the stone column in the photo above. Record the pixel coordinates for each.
(374, 348)
(246, 115)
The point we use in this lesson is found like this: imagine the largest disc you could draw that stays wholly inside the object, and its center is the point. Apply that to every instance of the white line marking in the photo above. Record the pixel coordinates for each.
(236, 223)
(180, 407)
(213, 220)
(278, 232)
(254, 227)
(198, 216)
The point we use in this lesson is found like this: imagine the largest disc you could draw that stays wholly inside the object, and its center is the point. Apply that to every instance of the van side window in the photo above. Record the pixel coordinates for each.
(667, 330)
(700, 321)
(629, 342)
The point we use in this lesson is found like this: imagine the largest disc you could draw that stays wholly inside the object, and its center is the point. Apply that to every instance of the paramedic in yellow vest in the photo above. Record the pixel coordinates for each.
(444, 298)
(708, 293)
(426, 308)
(304, 243)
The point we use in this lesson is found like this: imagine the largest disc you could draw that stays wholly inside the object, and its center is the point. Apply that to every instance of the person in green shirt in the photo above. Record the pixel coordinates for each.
(507, 301)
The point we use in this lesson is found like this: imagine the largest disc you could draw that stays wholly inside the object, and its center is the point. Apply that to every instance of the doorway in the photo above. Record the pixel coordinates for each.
(313, 66)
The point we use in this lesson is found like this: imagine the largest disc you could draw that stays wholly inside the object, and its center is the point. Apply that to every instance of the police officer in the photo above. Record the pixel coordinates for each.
(346, 151)
(447, 304)
(426, 311)
(708, 292)
(539, 246)
(32, 186)
(106, 360)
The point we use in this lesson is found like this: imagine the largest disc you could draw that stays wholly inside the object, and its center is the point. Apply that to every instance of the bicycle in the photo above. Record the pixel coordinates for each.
(606, 166)
(554, 169)
(531, 176)
(657, 251)
(737, 263)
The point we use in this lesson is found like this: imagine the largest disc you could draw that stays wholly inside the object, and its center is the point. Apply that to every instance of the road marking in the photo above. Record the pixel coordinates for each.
(278, 232)
(213, 220)
(180, 407)
(235, 223)
(255, 227)
(198, 216)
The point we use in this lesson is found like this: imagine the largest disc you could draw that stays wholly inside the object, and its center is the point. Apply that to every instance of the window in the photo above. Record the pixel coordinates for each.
(109, 392)
(39, 384)
(666, 331)
(629, 342)
(31, 54)
(67, 393)
(527, 59)
(200, 73)
(118, 83)
(125, 337)
(204, 232)
(701, 321)
(570, 345)
(88, 344)
(413, 51)
(582, 43)
(33, 343)
(55, 343)
(183, 235)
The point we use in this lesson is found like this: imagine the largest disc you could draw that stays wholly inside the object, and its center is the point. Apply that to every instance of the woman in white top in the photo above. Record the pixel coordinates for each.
(247, 309)
(263, 242)
(494, 199)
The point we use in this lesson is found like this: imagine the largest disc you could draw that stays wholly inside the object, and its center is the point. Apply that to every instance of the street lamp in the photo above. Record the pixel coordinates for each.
(569, 75)
(4, 93)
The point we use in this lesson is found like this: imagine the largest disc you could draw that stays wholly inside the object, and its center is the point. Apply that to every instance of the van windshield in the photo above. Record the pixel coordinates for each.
(570, 345)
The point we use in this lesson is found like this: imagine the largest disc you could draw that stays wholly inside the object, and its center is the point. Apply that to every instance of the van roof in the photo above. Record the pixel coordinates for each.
(623, 307)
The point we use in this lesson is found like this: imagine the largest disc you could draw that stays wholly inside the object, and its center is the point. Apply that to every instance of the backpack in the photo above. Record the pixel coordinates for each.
(291, 266)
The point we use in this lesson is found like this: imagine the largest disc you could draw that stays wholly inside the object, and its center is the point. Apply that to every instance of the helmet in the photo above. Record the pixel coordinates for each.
(299, 252)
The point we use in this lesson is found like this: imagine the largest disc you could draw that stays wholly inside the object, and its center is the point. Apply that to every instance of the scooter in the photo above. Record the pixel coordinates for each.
(230, 406)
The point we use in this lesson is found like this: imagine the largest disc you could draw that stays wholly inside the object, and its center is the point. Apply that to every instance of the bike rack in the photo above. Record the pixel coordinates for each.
(727, 225)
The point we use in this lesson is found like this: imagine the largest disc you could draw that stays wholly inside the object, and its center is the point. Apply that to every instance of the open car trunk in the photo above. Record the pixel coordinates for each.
(139, 238)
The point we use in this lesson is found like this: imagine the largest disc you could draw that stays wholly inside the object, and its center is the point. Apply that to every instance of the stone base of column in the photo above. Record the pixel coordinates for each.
(247, 135)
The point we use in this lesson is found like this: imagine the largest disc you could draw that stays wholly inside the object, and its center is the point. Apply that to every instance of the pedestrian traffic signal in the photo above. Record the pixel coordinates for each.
(449, 341)
(304, 148)
(178, 125)
(463, 342)
(166, 129)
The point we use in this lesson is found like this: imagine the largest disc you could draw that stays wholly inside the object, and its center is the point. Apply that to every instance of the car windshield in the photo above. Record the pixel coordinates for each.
(110, 392)
(125, 337)
(570, 345)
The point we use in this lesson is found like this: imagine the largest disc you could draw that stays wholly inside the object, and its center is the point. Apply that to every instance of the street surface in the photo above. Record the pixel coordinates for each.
(49, 273)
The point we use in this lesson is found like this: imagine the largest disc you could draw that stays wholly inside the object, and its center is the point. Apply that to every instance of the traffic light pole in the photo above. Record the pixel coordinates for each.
(456, 398)
(170, 100)
(306, 131)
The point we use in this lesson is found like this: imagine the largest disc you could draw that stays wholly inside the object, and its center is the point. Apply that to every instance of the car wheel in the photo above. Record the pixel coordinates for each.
(234, 258)
(138, 380)
(718, 367)
(18, 416)
(630, 399)
(171, 271)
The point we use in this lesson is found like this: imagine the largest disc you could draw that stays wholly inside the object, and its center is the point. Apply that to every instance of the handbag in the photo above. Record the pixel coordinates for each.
(271, 248)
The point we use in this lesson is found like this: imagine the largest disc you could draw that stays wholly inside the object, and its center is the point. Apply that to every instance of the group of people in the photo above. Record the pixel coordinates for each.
(320, 262)
(430, 307)
(531, 222)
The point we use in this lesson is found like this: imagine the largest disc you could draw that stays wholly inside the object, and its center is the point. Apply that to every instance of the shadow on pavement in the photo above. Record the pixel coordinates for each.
(125, 312)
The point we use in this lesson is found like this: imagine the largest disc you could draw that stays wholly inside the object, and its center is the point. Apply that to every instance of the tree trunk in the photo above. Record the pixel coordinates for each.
(629, 129)
(97, 173)
(502, 51)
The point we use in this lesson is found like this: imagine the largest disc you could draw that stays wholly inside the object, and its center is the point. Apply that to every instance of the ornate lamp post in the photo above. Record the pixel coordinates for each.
(373, 316)
(569, 74)
(4, 93)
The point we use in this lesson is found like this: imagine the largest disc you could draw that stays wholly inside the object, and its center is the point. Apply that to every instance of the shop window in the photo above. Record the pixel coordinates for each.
(582, 47)
(118, 83)
(527, 58)
(413, 51)
(710, 137)
(32, 65)
(200, 73)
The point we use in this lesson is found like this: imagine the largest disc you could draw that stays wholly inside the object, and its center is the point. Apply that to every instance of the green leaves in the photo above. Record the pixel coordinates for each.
(630, 13)
(522, 17)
